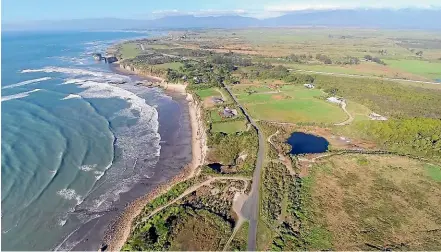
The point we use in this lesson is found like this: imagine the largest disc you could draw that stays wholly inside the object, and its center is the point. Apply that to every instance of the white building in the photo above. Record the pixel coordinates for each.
(336, 100)
(377, 117)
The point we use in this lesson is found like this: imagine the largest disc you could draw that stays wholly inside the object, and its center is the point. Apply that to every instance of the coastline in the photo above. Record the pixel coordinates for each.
(118, 231)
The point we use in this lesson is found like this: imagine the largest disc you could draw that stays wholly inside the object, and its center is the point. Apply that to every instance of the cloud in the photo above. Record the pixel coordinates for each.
(279, 8)
(286, 7)
(199, 13)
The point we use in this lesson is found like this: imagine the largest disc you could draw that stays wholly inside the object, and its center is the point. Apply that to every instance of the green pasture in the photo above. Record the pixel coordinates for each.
(297, 110)
(171, 65)
(130, 50)
(204, 93)
(229, 126)
(427, 69)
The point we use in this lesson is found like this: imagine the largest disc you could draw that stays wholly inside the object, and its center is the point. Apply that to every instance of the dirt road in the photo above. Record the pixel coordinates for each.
(347, 121)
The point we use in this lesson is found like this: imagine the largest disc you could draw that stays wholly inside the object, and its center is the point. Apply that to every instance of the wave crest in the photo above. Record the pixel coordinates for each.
(19, 95)
(24, 83)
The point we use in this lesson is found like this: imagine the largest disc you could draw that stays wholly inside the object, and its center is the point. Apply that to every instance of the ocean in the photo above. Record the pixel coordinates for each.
(76, 147)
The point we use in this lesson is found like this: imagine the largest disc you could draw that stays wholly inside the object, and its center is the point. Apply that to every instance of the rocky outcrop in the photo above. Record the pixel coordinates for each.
(97, 56)
(111, 59)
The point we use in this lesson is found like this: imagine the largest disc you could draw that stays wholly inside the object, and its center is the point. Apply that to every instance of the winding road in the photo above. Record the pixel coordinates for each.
(250, 209)
(347, 121)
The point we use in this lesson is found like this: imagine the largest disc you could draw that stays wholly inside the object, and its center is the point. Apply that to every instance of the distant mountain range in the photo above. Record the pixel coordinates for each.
(425, 19)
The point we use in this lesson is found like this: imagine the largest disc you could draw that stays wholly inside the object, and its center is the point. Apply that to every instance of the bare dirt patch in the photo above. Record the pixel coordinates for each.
(278, 97)
(208, 102)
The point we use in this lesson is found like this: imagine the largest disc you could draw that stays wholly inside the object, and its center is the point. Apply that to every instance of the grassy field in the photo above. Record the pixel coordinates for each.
(361, 202)
(428, 69)
(130, 50)
(205, 93)
(434, 172)
(292, 104)
(297, 111)
(229, 127)
(172, 65)
(364, 69)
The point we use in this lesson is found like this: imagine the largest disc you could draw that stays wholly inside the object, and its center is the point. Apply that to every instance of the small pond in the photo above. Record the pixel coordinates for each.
(303, 143)
(215, 166)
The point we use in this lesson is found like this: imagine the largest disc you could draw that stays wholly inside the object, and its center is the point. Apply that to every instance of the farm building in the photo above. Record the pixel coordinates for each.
(375, 116)
(217, 100)
(336, 100)
(228, 113)
(310, 86)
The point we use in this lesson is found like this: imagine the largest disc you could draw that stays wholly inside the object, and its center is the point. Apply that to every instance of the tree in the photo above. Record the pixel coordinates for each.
(368, 57)
(327, 61)
(378, 60)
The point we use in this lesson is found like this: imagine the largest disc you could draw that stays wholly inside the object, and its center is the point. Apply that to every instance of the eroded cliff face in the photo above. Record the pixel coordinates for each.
(147, 71)
(129, 68)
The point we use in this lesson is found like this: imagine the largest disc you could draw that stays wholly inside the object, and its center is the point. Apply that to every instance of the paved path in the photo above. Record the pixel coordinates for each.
(250, 209)
(366, 76)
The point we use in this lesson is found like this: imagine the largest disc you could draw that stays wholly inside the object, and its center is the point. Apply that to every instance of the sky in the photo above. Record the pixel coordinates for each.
(16, 11)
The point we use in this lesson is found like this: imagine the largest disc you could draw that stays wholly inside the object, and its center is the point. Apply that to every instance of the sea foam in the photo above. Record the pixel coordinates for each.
(87, 168)
(70, 194)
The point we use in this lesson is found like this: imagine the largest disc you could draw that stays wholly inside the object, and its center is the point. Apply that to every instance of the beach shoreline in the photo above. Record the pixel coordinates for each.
(118, 231)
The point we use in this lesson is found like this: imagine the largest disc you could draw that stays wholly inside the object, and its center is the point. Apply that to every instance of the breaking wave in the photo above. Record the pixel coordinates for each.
(78, 72)
(19, 95)
(24, 83)
(71, 96)
(139, 142)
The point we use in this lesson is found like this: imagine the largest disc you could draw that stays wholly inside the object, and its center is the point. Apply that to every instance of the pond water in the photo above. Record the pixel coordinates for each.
(215, 166)
(303, 143)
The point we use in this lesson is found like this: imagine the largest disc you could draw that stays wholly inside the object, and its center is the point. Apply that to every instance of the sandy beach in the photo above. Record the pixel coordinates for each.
(119, 231)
